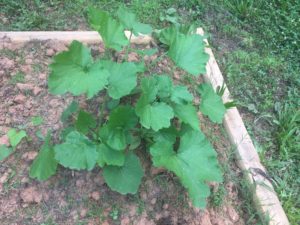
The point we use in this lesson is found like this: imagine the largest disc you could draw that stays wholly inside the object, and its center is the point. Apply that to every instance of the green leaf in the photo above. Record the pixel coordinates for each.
(195, 163)
(155, 116)
(5, 152)
(84, 122)
(77, 152)
(45, 164)
(181, 95)
(15, 137)
(125, 179)
(117, 138)
(123, 116)
(129, 21)
(122, 78)
(168, 35)
(187, 114)
(121, 120)
(211, 103)
(72, 108)
(37, 120)
(164, 85)
(167, 134)
(110, 156)
(187, 51)
(149, 88)
(110, 30)
(74, 71)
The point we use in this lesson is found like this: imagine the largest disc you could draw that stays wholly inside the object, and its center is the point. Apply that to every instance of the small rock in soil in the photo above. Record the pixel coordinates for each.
(7, 63)
(36, 90)
(95, 195)
(31, 195)
(166, 206)
(4, 140)
(99, 180)
(50, 52)
(125, 221)
(232, 214)
(205, 219)
(153, 201)
(4, 178)
(20, 99)
(132, 210)
(29, 156)
(24, 87)
(26, 69)
(143, 195)
(83, 213)
(133, 57)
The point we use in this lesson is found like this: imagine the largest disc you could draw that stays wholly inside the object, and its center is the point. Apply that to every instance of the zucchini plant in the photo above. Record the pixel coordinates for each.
(140, 111)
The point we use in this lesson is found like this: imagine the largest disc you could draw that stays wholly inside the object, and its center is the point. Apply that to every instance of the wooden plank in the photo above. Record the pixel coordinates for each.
(248, 160)
(90, 37)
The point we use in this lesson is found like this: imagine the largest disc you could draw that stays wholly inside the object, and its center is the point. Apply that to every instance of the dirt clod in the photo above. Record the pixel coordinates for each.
(4, 140)
(20, 99)
(95, 195)
(29, 156)
(232, 214)
(31, 195)
(50, 52)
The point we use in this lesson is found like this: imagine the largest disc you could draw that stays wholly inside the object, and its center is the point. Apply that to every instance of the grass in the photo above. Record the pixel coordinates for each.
(257, 46)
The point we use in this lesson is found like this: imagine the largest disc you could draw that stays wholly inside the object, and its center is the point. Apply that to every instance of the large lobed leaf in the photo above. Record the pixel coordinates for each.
(129, 21)
(211, 103)
(187, 51)
(111, 31)
(122, 79)
(195, 163)
(127, 178)
(45, 164)
(74, 71)
(77, 152)
(114, 133)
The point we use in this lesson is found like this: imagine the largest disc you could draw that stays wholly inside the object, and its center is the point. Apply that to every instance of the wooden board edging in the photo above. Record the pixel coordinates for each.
(248, 160)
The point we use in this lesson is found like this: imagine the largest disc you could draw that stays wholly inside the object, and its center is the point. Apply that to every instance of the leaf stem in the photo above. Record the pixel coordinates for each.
(128, 47)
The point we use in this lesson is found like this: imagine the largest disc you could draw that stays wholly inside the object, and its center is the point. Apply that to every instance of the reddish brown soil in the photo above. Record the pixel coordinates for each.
(72, 197)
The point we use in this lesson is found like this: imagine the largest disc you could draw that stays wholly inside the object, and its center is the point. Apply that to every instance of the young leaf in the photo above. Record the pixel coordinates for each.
(72, 108)
(45, 164)
(211, 103)
(5, 152)
(188, 114)
(155, 116)
(110, 30)
(129, 21)
(149, 88)
(77, 152)
(15, 137)
(37, 120)
(110, 156)
(121, 120)
(122, 78)
(181, 95)
(195, 163)
(164, 85)
(125, 179)
(74, 71)
(187, 51)
(84, 122)
(123, 116)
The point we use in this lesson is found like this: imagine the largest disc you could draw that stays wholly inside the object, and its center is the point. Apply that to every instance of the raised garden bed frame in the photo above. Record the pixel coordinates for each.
(264, 194)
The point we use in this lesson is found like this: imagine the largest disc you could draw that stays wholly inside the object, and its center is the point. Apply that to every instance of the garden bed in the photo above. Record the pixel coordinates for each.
(82, 197)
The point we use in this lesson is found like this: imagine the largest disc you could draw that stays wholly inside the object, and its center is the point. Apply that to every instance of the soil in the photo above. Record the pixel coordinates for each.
(80, 197)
